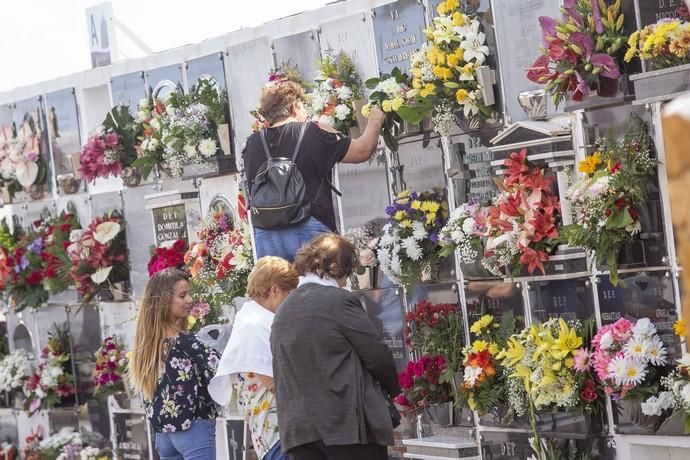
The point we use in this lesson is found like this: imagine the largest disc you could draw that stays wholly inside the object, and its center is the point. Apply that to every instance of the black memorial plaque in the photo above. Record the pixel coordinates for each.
(170, 224)
(398, 34)
(569, 299)
(652, 11)
(128, 90)
(63, 126)
(471, 172)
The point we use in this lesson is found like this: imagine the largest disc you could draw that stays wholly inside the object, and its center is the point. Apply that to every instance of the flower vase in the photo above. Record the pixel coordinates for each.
(131, 176)
(35, 191)
(69, 185)
(440, 414)
(223, 131)
(607, 87)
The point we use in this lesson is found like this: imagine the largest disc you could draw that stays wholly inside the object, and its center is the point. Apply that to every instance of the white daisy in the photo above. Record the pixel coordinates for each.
(208, 147)
(635, 372)
(617, 369)
(656, 352)
(637, 348)
(644, 328)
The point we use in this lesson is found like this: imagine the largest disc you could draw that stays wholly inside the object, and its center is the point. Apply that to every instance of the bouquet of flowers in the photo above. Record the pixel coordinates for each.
(219, 265)
(25, 283)
(664, 44)
(675, 396)
(66, 444)
(483, 379)
(606, 200)
(336, 87)
(14, 370)
(550, 369)
(390, 93)
(53, 380)
(366, 239)
(286, 72)
(629, 359)
(56, 264)
(436, 330)
(111, 367)
(461, 233)
(521, 225)
(169, 255)
(444, 70)
(579, 49)
(409, 246)
(112, 147)
(99, 254)
(421, 384)
(21, 163)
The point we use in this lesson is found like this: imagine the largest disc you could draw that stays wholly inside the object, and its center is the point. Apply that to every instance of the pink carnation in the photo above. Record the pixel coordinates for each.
(622, 330)
(581, 361)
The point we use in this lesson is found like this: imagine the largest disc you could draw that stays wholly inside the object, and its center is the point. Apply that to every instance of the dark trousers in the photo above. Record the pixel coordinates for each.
(318, 451)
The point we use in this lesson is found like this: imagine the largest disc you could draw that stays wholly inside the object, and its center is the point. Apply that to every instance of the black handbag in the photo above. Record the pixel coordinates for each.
(395, 415)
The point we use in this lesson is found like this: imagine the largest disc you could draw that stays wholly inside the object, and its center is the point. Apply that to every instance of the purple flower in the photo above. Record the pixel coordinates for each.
(608, 66)
(23, 264)
(390, 210)
(35, 246)
(434, 237)
(596, 13)
(583, 41)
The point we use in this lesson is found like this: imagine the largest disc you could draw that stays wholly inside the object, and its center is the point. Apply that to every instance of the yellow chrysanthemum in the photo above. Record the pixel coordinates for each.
(407, 223)
(435, 56)
(481, 324)
(399, 215)
(479, 346)
(452, 5)
(441, 8)
(680, 328)
(589, 164)
(493, 349)
(417, 83)
(431, 206)
(417, 72)
(416, 204)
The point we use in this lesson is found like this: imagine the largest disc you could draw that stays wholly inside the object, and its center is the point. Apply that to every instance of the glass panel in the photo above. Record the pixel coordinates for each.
(207, 67)
(63, 125)
(301, 50)
(568, 299)
(493, 298)
(471, 173)
(398, 33)
(642, 295)
(236, 433)
(130, 436)
(86, 338)
(421, 167)
(128, 90)
(164, 80)
(139, 235)
(30, 124)
(385, 310)
(365, 192)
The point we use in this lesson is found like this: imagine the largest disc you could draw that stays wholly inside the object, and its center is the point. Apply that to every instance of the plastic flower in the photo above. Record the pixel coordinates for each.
(101, 275)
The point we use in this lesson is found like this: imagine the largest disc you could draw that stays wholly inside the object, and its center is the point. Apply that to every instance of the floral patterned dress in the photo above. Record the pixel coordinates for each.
(182, 395)
(258, 405)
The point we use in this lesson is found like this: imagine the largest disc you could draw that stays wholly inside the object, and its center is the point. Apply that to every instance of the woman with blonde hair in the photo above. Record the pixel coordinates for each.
(245, 374)
(171, 368)
(331, 367)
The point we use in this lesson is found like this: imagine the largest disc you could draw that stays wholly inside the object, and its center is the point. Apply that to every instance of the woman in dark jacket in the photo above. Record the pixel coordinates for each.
(330, 366)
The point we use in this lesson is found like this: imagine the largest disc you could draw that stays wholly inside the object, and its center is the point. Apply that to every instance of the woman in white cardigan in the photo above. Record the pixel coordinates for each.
(245, 373)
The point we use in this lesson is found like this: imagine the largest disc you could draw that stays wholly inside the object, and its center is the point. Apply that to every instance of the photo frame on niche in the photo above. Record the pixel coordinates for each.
(162, 81)
(63, 128)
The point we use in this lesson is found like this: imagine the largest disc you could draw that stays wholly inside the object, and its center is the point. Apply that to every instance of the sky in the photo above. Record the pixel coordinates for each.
(44, 39)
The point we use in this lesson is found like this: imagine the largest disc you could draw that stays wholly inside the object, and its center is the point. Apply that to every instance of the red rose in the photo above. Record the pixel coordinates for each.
(588, 392)
(34, 278)
(633, 213)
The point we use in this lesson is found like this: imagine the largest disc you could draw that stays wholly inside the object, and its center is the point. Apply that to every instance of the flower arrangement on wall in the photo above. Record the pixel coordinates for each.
(25, 283)
(421, 385)
(483, 379)
(366, 240)
(56, 263)
(410, 244)
(521, 226)
(664, 44)
(166, 256)
(14, 370)
(180, 131)
(112, 147)
(66, 444)
(444, 70)
(98, 254)
(53, 380)
(336, 87)
(111, 367)
(607, 200)
(580, 50)
(461, 233)
(21, 163)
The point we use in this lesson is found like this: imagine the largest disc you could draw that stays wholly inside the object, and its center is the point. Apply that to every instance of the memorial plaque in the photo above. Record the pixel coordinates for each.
(351, 35)
(568, 299)
(398, 34)
(130, 441)
(162, 81)
(493, 298)
(365, 192)
(105, 202)
(170, 224)
(385, 309)
(300, 50)
(128, 90)
(471, 172)
(642, 295)
(63, 126)
(422, 167)
(209, 67)
(505, 446)
(44, 321)
(236, 432)
(653, 11)
(518, 37)
(248, 65)
(30, 124)
(140, 235)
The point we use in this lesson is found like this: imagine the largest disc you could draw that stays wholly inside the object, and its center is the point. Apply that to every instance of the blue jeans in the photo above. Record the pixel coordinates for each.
(275, 453)
(197, 442)
(286, 241)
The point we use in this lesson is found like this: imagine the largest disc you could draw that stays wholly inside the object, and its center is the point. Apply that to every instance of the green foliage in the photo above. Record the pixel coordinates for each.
(215, 100)
(120, 121)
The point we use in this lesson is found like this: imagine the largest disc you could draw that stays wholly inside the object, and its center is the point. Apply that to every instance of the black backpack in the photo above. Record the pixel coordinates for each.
(278, 193)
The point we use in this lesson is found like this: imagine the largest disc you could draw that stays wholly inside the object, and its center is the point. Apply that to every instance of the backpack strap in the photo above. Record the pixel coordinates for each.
(267, 149)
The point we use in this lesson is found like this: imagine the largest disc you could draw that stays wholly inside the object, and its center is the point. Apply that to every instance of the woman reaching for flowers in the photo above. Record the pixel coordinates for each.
(172, 368)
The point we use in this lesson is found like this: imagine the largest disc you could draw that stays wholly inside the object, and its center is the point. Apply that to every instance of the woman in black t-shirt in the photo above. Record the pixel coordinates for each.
(282, 106)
